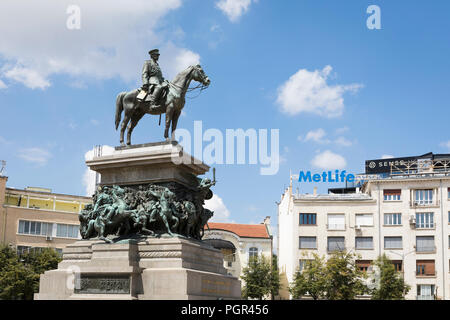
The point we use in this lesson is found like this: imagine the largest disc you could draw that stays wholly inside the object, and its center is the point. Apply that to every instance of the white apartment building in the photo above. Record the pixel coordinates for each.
(402, 210)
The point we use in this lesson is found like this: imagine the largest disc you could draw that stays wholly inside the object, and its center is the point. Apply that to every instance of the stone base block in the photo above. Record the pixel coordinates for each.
(151, 268)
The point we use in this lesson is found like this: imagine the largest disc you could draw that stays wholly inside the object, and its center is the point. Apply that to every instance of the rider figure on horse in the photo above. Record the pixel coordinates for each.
(152, 79)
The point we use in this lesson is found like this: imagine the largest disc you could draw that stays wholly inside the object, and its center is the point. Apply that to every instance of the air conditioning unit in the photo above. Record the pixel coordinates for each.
(357, 227)
(48, 238)
(412, 219)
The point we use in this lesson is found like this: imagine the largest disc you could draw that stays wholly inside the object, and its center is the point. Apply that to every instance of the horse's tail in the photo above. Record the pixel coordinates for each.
(119, 107)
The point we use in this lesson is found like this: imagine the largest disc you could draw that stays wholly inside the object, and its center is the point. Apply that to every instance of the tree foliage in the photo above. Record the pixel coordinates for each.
(260, 279)
(311, 280)
(19, 275)
(338, 278)
(390, 284)
(275, 282)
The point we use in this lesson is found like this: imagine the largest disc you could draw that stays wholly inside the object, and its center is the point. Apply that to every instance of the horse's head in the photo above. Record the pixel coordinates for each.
(199, 75)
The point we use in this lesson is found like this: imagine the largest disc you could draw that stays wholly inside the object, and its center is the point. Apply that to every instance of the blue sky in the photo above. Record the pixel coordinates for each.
(338, 92)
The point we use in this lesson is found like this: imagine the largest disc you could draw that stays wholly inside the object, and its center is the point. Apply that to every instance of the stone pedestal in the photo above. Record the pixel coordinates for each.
(159, 162)
(149, 269)
(143, 267)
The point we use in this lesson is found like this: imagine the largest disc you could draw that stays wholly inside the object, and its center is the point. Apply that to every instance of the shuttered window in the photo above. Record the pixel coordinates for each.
(425, 244)
(307, 243)
(364, 242)
(393, 243)
(364, 219)
(425, 268)
(364, 265)
(392, 194)
(336, 243)
(336, 222)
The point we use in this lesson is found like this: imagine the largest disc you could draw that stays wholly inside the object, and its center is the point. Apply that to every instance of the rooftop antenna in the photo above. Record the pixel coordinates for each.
(2, 170)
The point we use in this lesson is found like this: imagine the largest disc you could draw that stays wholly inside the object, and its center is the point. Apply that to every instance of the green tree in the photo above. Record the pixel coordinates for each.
(274, 278)
(19, 275)
(257, 276)
(390, 284)
(343, 277)
(311, 280)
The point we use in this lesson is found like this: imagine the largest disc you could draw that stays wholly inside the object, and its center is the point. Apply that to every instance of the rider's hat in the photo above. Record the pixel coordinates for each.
(154, 51)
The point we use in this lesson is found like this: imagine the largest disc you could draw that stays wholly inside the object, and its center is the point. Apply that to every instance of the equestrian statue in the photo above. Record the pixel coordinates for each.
(156, 96)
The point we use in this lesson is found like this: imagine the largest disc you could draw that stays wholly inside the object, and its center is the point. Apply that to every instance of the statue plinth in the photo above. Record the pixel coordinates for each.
(148, 163)
(146, 269)
(146, 189)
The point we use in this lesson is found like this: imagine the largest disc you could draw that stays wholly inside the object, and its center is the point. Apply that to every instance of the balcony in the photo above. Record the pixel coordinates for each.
(336, 227)
(430, 225)
(424, 204)
(426, 249)
(425, 297)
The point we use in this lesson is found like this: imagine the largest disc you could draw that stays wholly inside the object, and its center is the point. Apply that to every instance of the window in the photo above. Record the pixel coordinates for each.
(424, 220)
(302, 263)
(364, 220)
(448, 193)
(307, 218)
(425, 244)
(307, 243)
(392, 219)
(398, 265)
(336, 222)
(393, 243)
(423, 197)
(22, 249)
(425, 268)
(67, 231)
(35, 227)
(364, 265)
(364, 242)
(392, 194)
(425, 292)
(252, 253)
(336, 243)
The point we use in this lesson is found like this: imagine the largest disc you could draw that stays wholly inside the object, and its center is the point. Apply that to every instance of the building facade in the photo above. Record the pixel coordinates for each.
(403, 213)
(239, 242)
(33, 218)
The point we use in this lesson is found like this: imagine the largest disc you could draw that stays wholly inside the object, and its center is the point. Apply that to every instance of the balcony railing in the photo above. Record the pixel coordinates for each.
(334, 249)
(426, 249)
(424, 203)
(334, 226)
(425, 297)
(430, 225)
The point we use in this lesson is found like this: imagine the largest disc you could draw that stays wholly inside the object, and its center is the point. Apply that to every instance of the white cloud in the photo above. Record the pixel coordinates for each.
(113, 40)
(328, 160)
(35, 155)
(317, 135)
(234, 9)
(308, 91)
(221, 212)
(387, 156)
(344, 142)
(29, 77)
(3, 85)
(342, 130)
(88, 178)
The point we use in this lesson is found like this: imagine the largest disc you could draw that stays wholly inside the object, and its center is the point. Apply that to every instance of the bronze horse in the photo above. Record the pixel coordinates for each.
(172, 105)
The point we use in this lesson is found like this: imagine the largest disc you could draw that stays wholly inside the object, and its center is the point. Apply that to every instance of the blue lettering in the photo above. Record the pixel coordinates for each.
(304, 177)
(350, 177)
(316, 177)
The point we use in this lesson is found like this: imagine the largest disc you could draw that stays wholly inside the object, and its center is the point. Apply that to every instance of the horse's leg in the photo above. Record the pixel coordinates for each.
(175, 116)
(169, 115)
(134, 120)
(125, 120)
